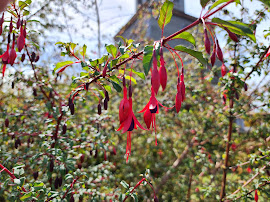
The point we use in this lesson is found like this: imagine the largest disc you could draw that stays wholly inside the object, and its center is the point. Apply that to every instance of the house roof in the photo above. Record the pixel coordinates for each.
(175, 12)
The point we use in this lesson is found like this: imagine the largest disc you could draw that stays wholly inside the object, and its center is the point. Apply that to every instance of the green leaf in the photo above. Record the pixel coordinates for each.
(111, 49)
(124, 56)
(193, 53)
(266, 2)
(17, 181)
(135, 197)
(147, 58)
(139, 74)
(236, 27)
(222, 1)
(186, 36)
(124, 184)
(204, 2)
(26, 12)
(116, 86)
(131, 78)
(26, 196)
(62, 64)
(165, 14)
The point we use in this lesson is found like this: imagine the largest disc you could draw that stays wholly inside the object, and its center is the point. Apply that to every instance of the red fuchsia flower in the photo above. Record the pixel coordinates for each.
(12, 54)
(128, 121)
(1, 24)
(256, 197)
(219, 52)
(21, 40)
(150, 110)
(213, 56)
(207, 43)
(162, 71)
(5, 56)
(223, 70)
(181, 92)
(155, 79)
(124, 104)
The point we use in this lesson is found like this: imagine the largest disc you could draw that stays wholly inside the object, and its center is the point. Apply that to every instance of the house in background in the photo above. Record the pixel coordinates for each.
(148, 26)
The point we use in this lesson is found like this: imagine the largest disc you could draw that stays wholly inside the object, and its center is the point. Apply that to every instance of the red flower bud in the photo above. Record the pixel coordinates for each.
(105, 104)
(223, 70)
(82, 158)
(10, 26)
(51, 166)
(219, 52)
(107, 96)
(256, 197)
(99, 109)
(64, 129)
(155, 79)
(147, 116)
(232, 35)
(245, 86)
(178, 101)
(207, 43)
(23, 57)
(6, 122)
(162, 71)
(18, 22)
(35, 175)
(213, 56)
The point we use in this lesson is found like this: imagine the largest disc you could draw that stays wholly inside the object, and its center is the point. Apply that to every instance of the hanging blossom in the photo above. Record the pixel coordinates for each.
(150, 110)
(181, 91)
(128, 121)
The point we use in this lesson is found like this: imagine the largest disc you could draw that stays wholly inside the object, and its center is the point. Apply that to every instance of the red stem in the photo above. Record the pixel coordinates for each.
(12, 176)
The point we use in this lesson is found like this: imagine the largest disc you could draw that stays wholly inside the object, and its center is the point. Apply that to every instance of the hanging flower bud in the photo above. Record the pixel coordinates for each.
(162, 71)
(178, 101)
(6, 122)
(51, 166)
(33, 57)
(207, 43)
(124, 104)
(5, 56)
(12, 85)
(99, 109)
(223, 70)
(24, 30)
(96, 153)
(155, 79)
(87, 86)
(60, 180)
(232, 35)
(114, 151)
(12, 54)
(23, 57)
(105, 104)
(51, 94)
(18, 24)
(236, 95)
(34, 92)
(105, 155)
(37, 58)
(71, 106)
(256, 197)
(64, 129)
(21, 40)
(219, 52)
(71, 198)
(10, 26)
(105, 69)
(79, 165)
(107, 96)
(1, 23)
(82, 158)
(56, 183)
(245, 86)
(35, 175)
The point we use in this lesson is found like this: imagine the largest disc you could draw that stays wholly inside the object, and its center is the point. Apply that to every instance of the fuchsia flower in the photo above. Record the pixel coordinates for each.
(128, 121)
(181, 91)
(12, 53)
(21, 39)
(5, 55)
(162, 71)
(150, 110)
(155, 79)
